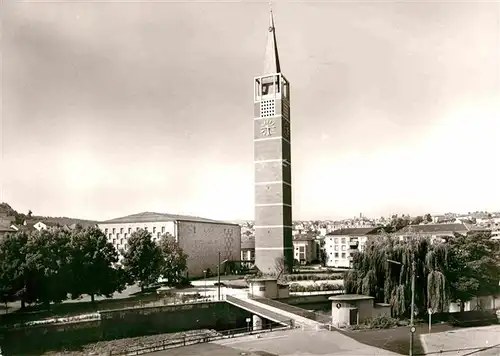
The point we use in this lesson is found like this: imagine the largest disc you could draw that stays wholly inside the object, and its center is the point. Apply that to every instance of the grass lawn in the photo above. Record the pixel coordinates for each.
(71, 308)
(397, 339)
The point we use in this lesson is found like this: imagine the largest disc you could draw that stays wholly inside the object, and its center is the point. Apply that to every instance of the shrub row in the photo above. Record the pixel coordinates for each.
(313, 277)
(379, 322)
(295, 287)
(302, 270)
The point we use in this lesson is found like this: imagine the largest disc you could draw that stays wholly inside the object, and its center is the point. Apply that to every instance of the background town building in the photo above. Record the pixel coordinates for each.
(201, 239)
(248, 251)
(436, 232)
(305, 249)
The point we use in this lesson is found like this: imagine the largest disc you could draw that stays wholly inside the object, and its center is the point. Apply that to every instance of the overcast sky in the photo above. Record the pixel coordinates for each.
(111, 109)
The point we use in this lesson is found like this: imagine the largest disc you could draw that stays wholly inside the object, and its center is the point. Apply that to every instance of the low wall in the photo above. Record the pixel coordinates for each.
(306, 299)
(33, 340)
(116, 324)
(467, 318)
(381, 309)
(310, 302)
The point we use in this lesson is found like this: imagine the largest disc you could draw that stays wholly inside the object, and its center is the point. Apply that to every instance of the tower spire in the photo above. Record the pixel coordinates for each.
(271, 60)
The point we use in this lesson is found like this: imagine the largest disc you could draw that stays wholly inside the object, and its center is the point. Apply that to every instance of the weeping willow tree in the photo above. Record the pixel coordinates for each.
(436, 261)
(387, 282)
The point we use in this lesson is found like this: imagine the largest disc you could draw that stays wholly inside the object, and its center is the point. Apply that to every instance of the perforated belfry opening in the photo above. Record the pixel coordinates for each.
(286, 110)
(267, 108)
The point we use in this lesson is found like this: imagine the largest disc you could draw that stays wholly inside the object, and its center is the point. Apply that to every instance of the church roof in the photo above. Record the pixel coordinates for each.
(154, 217)
(271, 60)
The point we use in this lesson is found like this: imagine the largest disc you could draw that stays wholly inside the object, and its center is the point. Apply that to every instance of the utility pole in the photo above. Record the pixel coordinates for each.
(412, 307)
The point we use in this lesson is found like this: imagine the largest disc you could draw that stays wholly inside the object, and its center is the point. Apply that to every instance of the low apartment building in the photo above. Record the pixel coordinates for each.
(340, 245)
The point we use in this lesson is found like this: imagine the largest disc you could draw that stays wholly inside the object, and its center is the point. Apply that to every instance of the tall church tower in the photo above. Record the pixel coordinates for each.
(272, 159)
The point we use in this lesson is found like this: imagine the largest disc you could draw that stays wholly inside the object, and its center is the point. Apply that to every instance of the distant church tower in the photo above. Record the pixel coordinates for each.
(272, 159)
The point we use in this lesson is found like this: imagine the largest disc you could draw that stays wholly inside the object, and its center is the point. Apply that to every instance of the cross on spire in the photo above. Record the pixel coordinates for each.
(271, 60)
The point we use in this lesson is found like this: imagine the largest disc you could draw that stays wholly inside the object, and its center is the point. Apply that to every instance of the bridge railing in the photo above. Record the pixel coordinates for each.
(273, 316)
(285, 307)
(191, 340)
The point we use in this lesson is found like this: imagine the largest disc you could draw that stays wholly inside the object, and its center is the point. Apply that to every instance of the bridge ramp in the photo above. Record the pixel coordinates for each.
(274, 312)
(260, 310)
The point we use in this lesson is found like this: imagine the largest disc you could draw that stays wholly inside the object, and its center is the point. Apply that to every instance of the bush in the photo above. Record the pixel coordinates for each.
(295, 287)
(381, 322)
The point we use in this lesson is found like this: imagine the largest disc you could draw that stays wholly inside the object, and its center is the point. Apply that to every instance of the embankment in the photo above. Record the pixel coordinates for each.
(115, 324)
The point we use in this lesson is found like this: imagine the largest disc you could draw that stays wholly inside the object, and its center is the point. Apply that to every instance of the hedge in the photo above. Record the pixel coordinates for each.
(313, 277)
(295, 287)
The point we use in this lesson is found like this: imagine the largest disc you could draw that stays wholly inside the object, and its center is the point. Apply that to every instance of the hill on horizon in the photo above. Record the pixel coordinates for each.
(7, 211)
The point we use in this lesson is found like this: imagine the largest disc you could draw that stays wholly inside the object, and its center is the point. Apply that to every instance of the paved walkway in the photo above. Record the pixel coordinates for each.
(294, 342)
(463, 342)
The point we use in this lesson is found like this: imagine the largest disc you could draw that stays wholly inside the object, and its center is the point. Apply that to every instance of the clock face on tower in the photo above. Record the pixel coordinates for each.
(268, 127)
(286, 130)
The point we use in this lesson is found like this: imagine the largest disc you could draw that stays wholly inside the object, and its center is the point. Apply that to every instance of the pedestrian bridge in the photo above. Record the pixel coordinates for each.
(258, 310)
(279, 312)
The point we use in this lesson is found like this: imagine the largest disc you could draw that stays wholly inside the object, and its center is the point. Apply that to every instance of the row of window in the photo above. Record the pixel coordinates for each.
(136, 229)
(125, 235)
(342, 240)
(122, 243)
(336, 247)
(336, 255)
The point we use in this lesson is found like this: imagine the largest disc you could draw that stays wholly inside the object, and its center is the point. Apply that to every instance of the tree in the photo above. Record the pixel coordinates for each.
(280, 267)
(30, 214)
(417, 220)
(374, 275)
(174, 260)
(474, 266)
(92, 264)
(47, 270)
(142, 261)
(396, 223)
(428, 218)
(323, 256)
(12, 266)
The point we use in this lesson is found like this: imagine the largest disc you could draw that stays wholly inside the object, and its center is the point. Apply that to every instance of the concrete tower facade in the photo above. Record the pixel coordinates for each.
(272, 159)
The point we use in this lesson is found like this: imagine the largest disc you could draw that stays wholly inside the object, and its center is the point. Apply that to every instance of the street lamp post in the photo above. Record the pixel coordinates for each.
(412, 306)
(205, 274)
(218, 275)
(218, 278)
